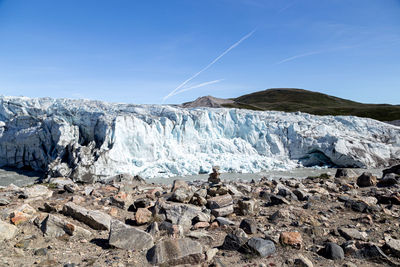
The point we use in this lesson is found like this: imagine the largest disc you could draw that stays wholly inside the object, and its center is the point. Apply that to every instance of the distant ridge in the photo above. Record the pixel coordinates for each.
(293, 99)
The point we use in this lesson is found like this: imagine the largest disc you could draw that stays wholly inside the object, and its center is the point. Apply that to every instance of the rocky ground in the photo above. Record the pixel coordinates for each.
(346, 220)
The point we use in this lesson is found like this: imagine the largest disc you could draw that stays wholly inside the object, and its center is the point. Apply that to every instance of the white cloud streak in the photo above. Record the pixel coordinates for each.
(197, 86)
(209, 65)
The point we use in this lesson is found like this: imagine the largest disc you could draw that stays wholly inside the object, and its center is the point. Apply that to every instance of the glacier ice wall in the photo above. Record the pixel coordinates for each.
(86, 139)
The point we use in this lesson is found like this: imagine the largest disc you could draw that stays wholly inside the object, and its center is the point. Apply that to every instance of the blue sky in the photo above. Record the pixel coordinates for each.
(140, 51)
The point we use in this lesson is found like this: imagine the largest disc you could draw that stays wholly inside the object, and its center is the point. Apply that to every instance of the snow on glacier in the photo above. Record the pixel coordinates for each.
(83, 138)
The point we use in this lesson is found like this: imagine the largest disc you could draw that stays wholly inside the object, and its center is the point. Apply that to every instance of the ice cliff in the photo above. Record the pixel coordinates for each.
(90, 139)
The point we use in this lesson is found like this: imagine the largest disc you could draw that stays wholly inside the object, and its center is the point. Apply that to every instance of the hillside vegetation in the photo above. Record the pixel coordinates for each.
(291, 100)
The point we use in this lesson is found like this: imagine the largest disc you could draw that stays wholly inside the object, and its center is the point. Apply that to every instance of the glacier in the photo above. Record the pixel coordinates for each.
(89, 140)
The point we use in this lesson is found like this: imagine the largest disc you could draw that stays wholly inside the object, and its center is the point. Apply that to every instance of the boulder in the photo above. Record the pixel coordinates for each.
(127, 237)
(179, 184)
(260, 247)
(143, 216)
(341, 173)
(224, 221)
(302, 261)
(172, 252)
(352, 234)
(235, 240)
(293, 239)
(390, 179)
(182, 195)
(366, 179)
(37, 191)
(221, 212)
(220, 201)
(95, 219)
(333, 251)
(249, 226)
(392, 246)
(54, 226)
(248, 207)
(395, 169)
(7, 231)
(181, 214)
(122, 200)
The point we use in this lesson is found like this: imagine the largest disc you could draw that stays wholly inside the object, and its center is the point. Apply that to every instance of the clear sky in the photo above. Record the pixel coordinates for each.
(141, 51)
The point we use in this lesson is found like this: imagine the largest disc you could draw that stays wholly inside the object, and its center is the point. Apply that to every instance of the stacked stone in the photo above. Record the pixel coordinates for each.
(214, 176)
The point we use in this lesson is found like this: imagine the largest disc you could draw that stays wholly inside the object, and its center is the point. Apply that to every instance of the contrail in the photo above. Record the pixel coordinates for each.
(197, 86)
(299, 56)
(209, 65)
(343, 47)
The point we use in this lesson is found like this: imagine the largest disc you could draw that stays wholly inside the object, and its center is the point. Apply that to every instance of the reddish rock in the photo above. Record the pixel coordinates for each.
(19, 217)
(143, 216)
(113, 212)
(201, 225)
(214, 225)
(293, 239)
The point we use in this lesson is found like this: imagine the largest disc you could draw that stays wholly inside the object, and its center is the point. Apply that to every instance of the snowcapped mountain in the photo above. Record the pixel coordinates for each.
(90, 139)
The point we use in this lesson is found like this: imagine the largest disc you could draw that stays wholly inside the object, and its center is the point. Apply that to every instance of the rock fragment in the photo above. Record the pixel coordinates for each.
(143, 216)
(54, 226)
(260, 247)
(235, 240)
(248, 225)
(333, 251)
(172, 252)
(95, 219)
(366, 179)
(127, 237)
(293, 239)
(352, 234)
(7, 231)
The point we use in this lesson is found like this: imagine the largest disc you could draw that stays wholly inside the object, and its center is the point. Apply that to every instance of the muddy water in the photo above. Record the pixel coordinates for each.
(18, 177)
(21, 178)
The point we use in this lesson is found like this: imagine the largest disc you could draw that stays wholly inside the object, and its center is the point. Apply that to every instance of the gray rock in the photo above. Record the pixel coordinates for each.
(182, 195)
(95, 219)
(7, 231)
(392, 246)
(179, 184)
(301, 195)
(341, 173)
(333, 251)
(4, 202)
(40, 252)
(224, 221)
(302, 261)
(352, 234)
(127, 237)
(395, 169)
(54, 226)
(248, 207)
(389, 179)
(220, 201)
(181, 214)
(199, 235)
(37, 191)
(221, 212)
(249, 226)
(60, 182)
(235, 240)
(153, 229)
(260, 247)
(173, 252)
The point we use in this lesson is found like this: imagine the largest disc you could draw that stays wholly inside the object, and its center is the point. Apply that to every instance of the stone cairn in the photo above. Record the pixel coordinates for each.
(214, 176)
